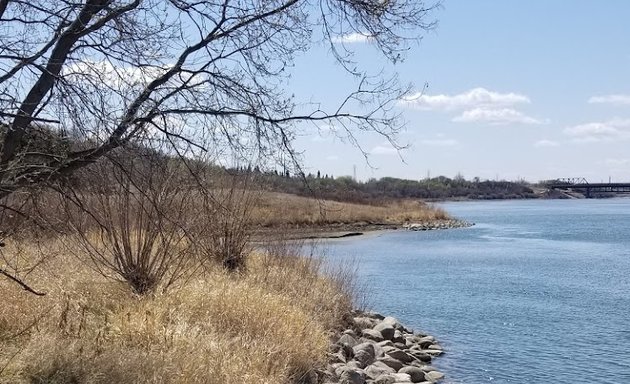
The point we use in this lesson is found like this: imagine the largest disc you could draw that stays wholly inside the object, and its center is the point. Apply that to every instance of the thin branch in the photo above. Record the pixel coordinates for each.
(21, 283)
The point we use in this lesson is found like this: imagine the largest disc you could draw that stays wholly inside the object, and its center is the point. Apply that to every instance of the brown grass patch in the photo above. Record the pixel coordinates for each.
(279, 209)
(270, 324)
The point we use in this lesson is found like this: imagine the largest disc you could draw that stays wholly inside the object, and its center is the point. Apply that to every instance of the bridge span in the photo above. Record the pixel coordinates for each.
(588, 189)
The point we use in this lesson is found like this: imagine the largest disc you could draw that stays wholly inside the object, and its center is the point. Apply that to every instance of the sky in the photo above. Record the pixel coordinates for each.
(531, 90)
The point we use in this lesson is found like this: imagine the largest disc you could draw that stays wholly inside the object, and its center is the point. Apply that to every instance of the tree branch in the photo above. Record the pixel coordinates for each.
(20, 283)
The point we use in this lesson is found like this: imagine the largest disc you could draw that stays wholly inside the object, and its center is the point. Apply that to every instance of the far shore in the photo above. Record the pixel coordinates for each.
(345, 231)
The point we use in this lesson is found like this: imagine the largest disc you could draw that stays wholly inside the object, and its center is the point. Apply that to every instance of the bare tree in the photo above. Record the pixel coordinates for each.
(204, 74)
(80, 78)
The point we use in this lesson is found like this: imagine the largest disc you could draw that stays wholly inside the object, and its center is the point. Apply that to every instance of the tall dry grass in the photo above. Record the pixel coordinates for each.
(279, 209)
(269, 324)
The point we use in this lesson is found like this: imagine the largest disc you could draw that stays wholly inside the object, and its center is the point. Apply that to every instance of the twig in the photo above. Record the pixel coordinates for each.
(21, 283)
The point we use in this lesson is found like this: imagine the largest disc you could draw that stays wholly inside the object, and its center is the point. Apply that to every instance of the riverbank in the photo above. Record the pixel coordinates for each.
(285, 318)
(350, 230)
(272, 320)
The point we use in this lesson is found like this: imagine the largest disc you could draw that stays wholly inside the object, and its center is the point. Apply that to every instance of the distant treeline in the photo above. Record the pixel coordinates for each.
(345, 188)
(47, 141)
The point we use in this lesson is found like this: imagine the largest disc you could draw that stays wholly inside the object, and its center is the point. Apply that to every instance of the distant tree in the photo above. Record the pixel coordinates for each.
(319, 175)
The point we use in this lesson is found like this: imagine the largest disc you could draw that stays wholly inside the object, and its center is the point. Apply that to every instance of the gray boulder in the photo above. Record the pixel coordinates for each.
(434, 376)
(372, 334)
(385, 379)
(386, 330)
(401, 356)
(364, 354)
(416, 374)
(348, 340)
(398, 337)
(391, 362)
(377, 369)
(402, 377)
(385, 343)
(420, 355)
(364, 322)
(363, 358)
(351, 376)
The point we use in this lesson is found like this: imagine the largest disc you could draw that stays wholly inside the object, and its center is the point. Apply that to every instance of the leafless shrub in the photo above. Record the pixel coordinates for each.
(133, 224)
(222, 233)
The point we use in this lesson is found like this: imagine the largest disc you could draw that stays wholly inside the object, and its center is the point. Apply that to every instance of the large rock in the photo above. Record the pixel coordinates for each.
(364, 354)
(372, 334)
(434, 376)
(401, 356)
(416, 374)
(374, 315)
(363, 358)
(347, 352)
(391, 362)
(420, 355)
(389, 348)
(424, 342)
(378, 351)
(386, 330)
(385, 379)
(391, 321)
(365, 322)
(351, 376)
(433, 352)
(396, 324)
(368, 347)
(402, 377)
(400, 345)
(347, 340)
(385, 343)
(377, 369)
(399, 337)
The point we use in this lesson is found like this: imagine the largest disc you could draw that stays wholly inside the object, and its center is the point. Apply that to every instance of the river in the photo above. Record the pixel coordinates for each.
(537, 291)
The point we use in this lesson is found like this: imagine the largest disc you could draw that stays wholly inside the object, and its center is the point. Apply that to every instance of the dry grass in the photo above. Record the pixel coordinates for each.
(277, 209)
(270, 324)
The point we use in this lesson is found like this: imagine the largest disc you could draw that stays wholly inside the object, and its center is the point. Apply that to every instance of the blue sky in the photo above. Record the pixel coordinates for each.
(533, 90)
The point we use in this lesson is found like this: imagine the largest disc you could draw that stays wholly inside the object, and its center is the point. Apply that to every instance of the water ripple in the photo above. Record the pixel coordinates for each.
(536, 292)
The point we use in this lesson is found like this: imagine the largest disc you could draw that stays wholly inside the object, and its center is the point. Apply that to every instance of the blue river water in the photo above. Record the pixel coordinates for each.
(536, 292)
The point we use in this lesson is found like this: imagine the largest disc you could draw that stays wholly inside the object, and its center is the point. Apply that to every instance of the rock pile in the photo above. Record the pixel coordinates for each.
(442, 224)
(380, 350)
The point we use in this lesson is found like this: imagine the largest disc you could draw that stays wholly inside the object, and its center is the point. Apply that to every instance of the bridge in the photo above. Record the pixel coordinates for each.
(579, 184)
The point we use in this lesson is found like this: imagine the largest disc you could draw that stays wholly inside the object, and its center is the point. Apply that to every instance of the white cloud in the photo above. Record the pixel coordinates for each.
(617, 129)
(546, 143)
(116, 77)
(332, 157)
(384, 149)
(474, 98)
(353, 38)
(610, 99)
(495, 116)
(439, 142)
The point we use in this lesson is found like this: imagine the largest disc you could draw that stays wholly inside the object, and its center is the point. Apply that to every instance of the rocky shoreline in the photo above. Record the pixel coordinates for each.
(375, 349)
(345, 230)
(433, 225)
